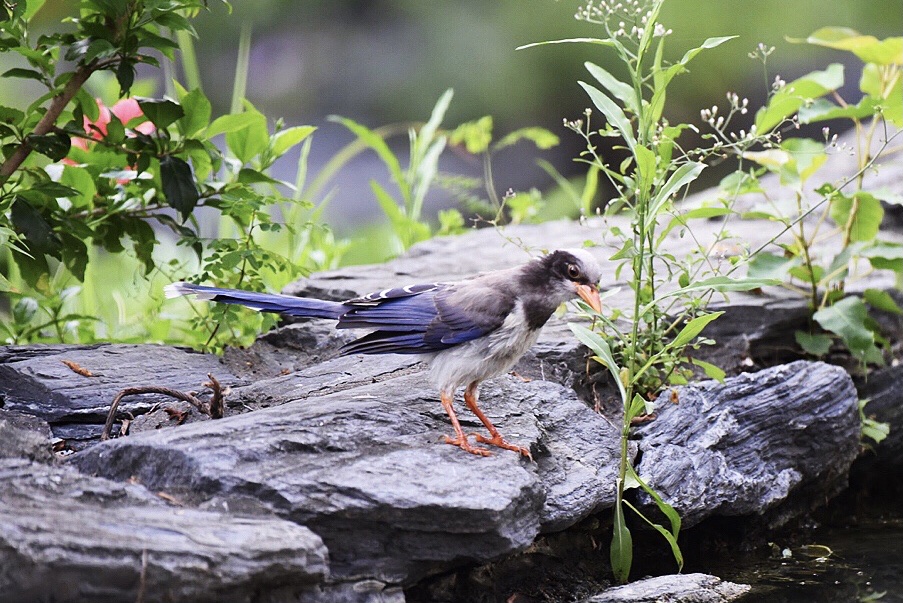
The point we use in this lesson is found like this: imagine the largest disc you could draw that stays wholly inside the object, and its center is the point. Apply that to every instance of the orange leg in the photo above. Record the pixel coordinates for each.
(470, 398)
(460, 440)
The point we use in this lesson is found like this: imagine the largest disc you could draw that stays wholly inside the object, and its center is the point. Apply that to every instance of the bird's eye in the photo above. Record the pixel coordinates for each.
(573, 272)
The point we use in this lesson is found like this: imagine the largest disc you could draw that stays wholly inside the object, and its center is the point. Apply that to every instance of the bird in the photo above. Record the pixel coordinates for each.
(467, 331)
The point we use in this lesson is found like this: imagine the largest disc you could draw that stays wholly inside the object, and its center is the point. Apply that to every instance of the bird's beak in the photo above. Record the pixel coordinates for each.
(589, 294)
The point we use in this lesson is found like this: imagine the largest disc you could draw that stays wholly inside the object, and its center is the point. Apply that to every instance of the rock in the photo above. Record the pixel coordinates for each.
(287, 349)
(884, 391)
(36, 380)
(366, 470)
(24, 436)
(675, 588)
(744, 447)
(68, 537)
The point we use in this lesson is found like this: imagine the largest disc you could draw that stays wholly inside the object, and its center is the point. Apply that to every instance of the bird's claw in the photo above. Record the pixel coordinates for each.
(464, 444)
(501, 442)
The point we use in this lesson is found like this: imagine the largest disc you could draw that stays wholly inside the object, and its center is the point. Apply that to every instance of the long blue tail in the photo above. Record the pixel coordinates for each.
(265, 302)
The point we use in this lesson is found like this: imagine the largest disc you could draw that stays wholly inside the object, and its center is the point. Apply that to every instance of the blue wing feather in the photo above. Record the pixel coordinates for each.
(410, 320)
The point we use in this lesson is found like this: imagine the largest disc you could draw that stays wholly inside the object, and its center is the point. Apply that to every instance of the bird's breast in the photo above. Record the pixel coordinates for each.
(486, 356)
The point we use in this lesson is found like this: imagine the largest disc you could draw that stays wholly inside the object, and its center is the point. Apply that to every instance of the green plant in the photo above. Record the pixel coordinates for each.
(427, 142)
(664, 324)
(835, 231)
(82, 182)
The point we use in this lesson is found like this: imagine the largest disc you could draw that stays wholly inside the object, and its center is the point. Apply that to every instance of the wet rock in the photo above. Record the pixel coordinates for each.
(675, 588)
(745, 446)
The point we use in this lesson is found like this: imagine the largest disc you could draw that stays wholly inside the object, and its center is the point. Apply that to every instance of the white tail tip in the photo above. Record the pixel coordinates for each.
(176, 290)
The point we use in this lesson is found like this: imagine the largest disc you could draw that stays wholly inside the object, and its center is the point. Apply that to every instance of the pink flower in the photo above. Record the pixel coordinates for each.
(125, 110)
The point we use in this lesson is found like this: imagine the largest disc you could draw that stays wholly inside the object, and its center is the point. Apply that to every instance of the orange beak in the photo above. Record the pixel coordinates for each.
(589, 294)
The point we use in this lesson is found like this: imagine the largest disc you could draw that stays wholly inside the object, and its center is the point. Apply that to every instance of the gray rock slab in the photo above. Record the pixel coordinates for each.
(674, 588)
(24, 436)
(366, 469)
(68, 537)
(884, 391)
(35, 380)
(743, 447)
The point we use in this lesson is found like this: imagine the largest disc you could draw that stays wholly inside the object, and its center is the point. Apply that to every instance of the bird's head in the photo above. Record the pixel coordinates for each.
(565, 274)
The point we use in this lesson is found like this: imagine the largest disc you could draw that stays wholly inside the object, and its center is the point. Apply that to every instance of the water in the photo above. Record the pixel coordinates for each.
(856, 563)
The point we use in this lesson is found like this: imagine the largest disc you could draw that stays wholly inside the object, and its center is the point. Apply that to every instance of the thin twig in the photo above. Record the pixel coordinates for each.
(48, 121)
(215, 407)
(166, 391)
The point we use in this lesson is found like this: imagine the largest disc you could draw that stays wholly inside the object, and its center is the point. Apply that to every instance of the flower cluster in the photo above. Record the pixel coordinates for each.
(622, 19)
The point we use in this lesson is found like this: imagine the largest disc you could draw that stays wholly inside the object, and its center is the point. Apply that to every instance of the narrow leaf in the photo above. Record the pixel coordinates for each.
(693, 329)
(621, 551)
(612, 113)
(620, 90)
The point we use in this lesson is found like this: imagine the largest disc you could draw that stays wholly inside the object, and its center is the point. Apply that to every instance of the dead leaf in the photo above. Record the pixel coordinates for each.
(170, 498)
(178, 415)
(642, 419)
(76, 368)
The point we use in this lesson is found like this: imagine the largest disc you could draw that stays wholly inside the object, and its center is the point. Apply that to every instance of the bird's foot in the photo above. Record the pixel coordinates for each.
(501, 442)
(464, 444)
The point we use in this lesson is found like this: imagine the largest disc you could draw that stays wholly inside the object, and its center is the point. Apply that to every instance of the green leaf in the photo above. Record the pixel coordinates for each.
(197, 113)
(19, 72)
(36, 233)
(645, 169)
(693, 329)
(740, 183)
(668, 511)
(723, 284)
(823, 110)
(178, 185)
(817, 345)
(598, 41)
(144, 239)
(847, 319)
(476, 135)
(612, 113)
(125, 76)
(407, 230)
(708, 44)
(288, 138)
(426, 137)
(620, 90)
(249, 176)
(770, 266)
(711, 371)
(861, 215)
(375, 141)
(868, 48)
(160, 112)
(797, 93)
(542, 138)
(54, 145)
(602, 352)
(231, 123)
(682, 176)
(621, 550)
(81, 180)
(796, 160)
(881, 300)
(252, 139)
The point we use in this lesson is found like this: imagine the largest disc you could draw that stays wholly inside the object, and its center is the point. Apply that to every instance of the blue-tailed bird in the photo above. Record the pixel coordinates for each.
(468, 330)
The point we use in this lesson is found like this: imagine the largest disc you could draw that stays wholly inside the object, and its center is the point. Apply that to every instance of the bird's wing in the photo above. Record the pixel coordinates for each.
(425, 318)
